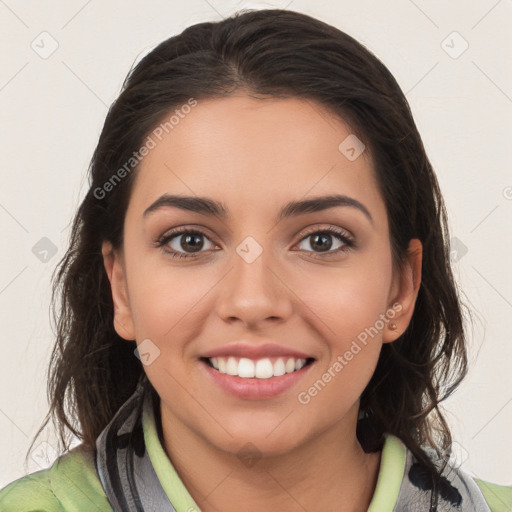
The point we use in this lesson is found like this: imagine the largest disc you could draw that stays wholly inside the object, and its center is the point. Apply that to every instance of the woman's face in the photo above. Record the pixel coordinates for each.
(259, 287)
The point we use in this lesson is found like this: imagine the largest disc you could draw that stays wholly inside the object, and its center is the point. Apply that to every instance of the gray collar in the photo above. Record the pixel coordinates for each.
(122, 460)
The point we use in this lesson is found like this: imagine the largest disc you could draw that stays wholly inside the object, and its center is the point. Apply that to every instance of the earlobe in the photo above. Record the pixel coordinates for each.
(114, 267)
(406, 287)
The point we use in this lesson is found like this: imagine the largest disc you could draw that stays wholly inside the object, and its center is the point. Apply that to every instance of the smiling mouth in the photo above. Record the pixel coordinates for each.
(264, 368)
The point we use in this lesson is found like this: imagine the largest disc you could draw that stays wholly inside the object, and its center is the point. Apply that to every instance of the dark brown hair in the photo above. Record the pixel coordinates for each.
(281, 54)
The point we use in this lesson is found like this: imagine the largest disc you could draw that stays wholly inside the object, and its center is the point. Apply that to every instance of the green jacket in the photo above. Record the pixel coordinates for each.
(72, 485)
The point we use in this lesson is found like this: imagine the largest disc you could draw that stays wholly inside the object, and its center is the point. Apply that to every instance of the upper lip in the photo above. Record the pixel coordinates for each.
(252, 351)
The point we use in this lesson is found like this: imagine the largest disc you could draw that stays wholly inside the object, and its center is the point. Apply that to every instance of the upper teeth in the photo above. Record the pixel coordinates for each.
(261, 368)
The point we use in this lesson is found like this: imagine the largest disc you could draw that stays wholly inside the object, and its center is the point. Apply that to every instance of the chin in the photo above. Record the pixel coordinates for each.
(251, 442)
(248, 450)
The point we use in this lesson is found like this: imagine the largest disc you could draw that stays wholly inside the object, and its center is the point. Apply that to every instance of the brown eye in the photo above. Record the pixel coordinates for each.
(321, 241)
(182, 243)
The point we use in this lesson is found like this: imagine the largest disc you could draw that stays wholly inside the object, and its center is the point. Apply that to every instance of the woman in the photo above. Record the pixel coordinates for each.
(265, 233)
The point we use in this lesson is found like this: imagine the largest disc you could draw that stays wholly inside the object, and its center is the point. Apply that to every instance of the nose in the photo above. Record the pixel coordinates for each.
(254, 291)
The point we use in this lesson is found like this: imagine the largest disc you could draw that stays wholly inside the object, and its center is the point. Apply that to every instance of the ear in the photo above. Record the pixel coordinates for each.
(404, 292)
(115, 268)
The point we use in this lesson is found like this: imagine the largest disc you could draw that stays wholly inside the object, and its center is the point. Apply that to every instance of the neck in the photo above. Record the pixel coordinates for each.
(321, 474)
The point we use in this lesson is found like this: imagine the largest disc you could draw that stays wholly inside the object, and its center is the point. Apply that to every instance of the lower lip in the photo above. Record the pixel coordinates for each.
(255, 389)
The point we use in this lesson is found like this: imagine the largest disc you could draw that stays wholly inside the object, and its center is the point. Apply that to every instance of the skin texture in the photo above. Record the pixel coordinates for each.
(254, 155)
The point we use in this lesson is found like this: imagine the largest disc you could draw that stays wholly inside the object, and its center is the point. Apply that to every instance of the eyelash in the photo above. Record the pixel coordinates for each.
(342, 236)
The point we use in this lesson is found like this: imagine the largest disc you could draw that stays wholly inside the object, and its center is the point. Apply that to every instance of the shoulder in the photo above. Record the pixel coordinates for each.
(477, 493)
(498, 497)
(456, 489)
(71, 484)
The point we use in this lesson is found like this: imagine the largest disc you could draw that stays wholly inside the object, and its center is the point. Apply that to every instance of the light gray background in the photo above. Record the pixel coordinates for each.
(52, 110)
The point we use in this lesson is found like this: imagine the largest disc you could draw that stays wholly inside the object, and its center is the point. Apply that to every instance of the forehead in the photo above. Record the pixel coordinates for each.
(254, 153)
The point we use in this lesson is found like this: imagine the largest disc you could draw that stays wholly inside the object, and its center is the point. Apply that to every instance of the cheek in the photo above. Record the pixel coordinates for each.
(164, 300)
(348, 305)
(349, 321)
(347, 300)
(329, 396)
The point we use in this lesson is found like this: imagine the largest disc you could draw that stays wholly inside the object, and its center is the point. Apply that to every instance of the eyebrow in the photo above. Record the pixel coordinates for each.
(207, 206)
